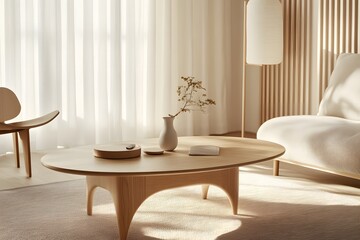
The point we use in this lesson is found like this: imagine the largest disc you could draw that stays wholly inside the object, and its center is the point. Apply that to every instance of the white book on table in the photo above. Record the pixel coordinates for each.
(204, 150)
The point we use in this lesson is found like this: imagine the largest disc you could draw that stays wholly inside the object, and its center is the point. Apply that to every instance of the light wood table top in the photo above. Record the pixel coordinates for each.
(234, 151)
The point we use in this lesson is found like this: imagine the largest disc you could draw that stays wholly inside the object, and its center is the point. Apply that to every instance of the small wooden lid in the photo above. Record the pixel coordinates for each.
(153, 151)
(116, 151)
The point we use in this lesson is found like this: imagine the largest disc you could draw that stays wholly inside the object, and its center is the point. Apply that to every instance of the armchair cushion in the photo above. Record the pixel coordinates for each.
(342, 96)
(325, 142)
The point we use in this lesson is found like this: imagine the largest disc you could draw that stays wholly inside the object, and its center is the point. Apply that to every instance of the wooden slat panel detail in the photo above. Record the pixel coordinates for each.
(338, 22)
(286, 88)
(289, 81)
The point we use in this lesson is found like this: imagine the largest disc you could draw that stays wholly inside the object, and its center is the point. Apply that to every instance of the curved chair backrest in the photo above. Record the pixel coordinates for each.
(9, 104)
(342, 96)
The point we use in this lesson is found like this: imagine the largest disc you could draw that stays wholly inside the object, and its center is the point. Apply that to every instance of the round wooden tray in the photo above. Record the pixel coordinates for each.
(116, 151)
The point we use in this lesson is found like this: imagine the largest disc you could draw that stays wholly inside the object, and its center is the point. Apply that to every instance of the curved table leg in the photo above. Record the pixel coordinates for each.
(127, 199)
(90, 189)
(129, 192)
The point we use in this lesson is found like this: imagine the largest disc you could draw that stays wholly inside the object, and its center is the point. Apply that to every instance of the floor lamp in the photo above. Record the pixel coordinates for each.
(262, 39)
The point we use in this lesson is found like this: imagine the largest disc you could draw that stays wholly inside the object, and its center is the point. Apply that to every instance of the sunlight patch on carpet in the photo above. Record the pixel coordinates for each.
(190, 226)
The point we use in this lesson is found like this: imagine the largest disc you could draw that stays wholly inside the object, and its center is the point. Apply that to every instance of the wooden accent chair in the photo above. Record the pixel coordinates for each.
(330, 140)
(10, 108)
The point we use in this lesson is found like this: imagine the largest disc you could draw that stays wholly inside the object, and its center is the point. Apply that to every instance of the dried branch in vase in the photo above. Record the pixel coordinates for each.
(193, 96)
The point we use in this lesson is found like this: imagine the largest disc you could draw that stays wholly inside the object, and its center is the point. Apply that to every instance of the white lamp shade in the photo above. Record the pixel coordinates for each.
(264, 28)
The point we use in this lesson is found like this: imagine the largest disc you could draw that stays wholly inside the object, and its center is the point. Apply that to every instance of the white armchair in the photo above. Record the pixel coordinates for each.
(329, 141)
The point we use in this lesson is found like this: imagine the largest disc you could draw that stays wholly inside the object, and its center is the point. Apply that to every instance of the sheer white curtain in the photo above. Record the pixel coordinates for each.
(112, 67)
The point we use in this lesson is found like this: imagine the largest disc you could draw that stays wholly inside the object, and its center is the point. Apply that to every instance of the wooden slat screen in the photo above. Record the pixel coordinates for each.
(338, 33)
(285, 88)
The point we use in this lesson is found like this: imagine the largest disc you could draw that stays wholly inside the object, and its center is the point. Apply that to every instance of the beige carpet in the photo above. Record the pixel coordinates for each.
(301, 204)
(12, 177)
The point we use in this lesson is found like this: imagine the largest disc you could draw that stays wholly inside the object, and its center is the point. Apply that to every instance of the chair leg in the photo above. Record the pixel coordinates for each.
(16, 148)
(276, 167)
(205, 190)
(25, 139)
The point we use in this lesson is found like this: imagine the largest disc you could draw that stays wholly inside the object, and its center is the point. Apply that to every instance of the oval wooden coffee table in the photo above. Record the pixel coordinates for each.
(131, 181)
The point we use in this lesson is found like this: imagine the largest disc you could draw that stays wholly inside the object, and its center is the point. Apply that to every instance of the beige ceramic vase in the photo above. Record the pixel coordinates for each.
(168, 139)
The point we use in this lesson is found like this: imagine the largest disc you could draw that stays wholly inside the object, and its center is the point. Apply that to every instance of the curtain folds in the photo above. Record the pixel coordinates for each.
(112, 67)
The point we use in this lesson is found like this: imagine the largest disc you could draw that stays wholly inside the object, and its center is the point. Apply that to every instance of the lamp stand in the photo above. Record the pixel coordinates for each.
(244, 73)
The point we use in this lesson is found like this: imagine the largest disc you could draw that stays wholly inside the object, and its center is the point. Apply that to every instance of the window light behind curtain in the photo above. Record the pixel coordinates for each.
(112, 67)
